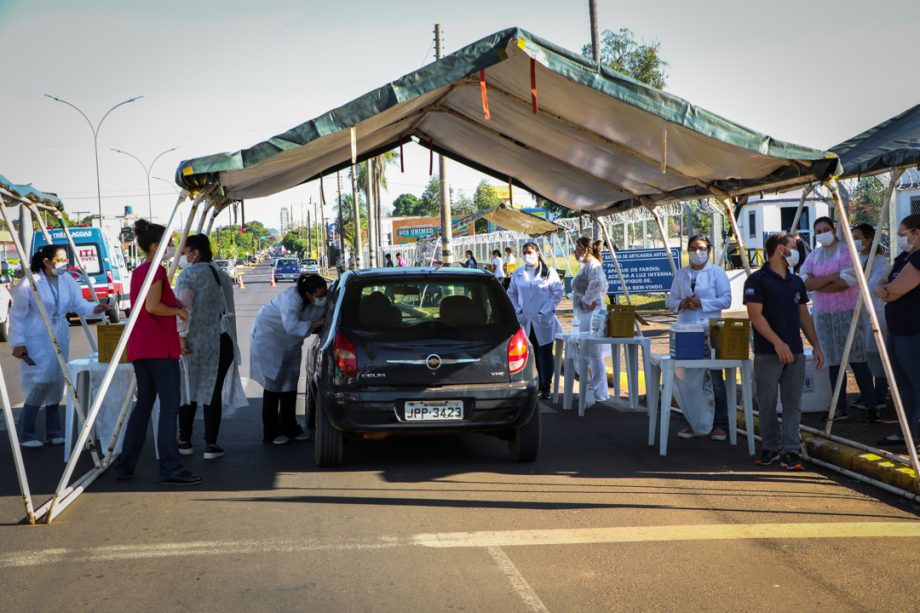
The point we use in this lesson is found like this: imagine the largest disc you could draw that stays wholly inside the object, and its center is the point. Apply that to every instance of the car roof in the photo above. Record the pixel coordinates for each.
(415, 271)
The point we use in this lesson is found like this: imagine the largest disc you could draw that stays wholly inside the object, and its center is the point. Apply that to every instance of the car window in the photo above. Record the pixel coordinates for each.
(420, 303)
(286, 262)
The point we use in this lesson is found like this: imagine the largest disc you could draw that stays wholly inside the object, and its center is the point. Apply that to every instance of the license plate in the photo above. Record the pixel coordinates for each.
(434, 410)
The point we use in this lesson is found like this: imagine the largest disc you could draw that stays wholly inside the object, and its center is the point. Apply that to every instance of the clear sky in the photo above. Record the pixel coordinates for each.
(219, 76)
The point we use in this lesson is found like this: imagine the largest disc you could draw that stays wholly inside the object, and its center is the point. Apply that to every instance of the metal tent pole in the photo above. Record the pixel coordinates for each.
(46, 320)
(798, 212)
(857, 311)
(174, 265)
(664, 240)
(56, 501)
(742, 249)
(616, 261)
(876, 330)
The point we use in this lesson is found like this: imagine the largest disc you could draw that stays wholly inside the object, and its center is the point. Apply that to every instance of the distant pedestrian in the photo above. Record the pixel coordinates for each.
(902, 295)
(510, 265)
(535, 292)
(400, 260)
(589, 289)
(497, 266)
(153, 350)
(388, 260)
(470, 261)
(777, 305)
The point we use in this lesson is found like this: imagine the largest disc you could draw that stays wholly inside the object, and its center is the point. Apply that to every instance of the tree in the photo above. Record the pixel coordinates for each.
(556, 210)
(461, 204)
(405, 205)
(485, 197)
(639, 60)
(866, 199)
(430, 202)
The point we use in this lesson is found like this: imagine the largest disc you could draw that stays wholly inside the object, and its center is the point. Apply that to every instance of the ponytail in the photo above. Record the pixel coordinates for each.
(147, 234)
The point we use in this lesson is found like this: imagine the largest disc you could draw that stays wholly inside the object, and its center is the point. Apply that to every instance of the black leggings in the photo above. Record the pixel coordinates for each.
(278, 415)
(213, 410)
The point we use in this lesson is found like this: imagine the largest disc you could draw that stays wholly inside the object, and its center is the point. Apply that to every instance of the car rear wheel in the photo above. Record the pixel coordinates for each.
(525, 441)
(327, 450)
(114, 315)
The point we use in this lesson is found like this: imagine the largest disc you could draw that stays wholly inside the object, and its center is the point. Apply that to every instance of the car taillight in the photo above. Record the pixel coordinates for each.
(517, 352)
(346, 360)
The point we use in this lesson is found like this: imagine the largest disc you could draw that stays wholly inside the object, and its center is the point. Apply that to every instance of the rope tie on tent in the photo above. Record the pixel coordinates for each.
(402, 158)
(484, 94)
(533, 85)
(430, 157)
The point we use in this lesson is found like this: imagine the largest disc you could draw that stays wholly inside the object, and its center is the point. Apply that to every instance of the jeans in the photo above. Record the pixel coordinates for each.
(279, 415)
(720, 420)
(29, 417)
(863, 380)
(155, 377)
(769, 372)
(212, 410)
(543, 355)
(905, 361)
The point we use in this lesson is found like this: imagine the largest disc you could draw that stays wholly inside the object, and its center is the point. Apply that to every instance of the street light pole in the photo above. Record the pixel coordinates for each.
(147, 171)
(95, 130)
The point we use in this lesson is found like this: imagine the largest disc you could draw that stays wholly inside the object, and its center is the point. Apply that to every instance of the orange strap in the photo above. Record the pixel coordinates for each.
(484, 94)
(533, 85)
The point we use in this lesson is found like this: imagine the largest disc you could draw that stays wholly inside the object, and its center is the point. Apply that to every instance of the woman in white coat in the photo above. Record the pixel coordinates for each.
(40, 372)
(276, 353)
(535, 291)
(699, 292)
(589, 288)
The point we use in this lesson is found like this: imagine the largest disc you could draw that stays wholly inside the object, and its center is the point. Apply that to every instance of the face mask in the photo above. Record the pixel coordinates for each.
(698, 258)
(170, 251)
(903, 244)
(60, 268)
(183, 261)
(860, 245)
(825, 238)
(793, 258)
(319, 301)
(531, 259)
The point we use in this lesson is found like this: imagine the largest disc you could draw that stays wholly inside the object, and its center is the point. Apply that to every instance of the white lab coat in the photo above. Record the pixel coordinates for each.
(275, 353)
(535, 300)
(590, 286)
(712, 288)
(877, 277)
(27, 330)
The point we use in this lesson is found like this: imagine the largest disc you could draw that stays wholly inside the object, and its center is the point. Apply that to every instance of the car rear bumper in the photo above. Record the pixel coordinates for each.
(281, 276)
(486, 408)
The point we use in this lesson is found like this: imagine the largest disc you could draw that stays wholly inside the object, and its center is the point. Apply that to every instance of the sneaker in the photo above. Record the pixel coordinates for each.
(303, 436)
(790, 461)
(183, 477)
(893, 440)
(718, 434)
(766, 458)
(688, 432)
(545, 395)
(185, 448)
(281, 440)
(872, 416)
(56, 440)
(859, 404)
(212, 452)
(32, 444)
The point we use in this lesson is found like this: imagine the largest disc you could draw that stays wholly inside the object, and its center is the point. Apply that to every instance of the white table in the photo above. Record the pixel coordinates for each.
(666, 365)
(577, 346)
(87, 373)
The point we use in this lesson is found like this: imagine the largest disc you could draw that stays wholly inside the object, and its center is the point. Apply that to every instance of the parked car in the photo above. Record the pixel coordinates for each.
(309, 266)
(424, 352)
(240, 261)
(102, 255)
(286, 269)
(227, 266)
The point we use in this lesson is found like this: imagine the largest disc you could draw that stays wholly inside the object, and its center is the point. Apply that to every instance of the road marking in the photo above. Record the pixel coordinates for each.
(517, 580)
(646, 534)
(488, 539)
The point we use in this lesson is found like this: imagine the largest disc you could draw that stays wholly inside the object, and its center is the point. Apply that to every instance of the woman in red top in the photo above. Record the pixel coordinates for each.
(153, 350)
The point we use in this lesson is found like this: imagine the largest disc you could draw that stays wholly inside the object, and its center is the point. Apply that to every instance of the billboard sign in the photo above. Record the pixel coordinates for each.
(646, 271)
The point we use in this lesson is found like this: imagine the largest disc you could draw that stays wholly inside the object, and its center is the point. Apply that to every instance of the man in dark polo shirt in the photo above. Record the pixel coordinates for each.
(777, 306)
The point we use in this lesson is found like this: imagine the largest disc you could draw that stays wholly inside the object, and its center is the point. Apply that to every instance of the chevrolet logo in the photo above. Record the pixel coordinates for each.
(433, 362)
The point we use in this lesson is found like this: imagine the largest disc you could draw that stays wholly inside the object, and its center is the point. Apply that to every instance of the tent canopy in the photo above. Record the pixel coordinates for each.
(509, 219)
(29, 193)
(892, 143)
(599, 140)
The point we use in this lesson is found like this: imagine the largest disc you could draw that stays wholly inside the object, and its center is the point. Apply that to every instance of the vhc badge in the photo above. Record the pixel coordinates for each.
(433, 362)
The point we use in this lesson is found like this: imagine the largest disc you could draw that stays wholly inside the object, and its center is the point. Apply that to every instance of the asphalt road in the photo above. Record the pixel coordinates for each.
(599, 522)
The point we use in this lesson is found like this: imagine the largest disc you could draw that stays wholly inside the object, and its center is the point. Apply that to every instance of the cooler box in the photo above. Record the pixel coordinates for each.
(106, 339)
(730, 338)
(621, 321)
(688, 342)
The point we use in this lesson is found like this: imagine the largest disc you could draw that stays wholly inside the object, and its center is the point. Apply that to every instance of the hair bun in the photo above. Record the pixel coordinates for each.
(141, 226)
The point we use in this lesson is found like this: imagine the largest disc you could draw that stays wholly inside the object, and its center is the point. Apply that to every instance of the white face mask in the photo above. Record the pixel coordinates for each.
(319, 301)
(531, 259)
(60, 268)
(698, 258)
(793, 258)
(825, 238)
(860, 245)
(170, 251)
(183, 261)
(903, 243)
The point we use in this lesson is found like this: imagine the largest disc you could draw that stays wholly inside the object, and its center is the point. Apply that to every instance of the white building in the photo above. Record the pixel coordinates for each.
(907, 194)
(761, 217)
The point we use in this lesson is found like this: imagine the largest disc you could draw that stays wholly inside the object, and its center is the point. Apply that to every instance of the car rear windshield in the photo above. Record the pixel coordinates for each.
(287, 263)
(457, 303)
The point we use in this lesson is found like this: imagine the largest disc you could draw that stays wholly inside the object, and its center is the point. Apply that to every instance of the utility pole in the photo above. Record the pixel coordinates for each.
(596, 53)
(371, 215)
(446, 218)
(338, 177)
(357, 260)
(309, 237)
